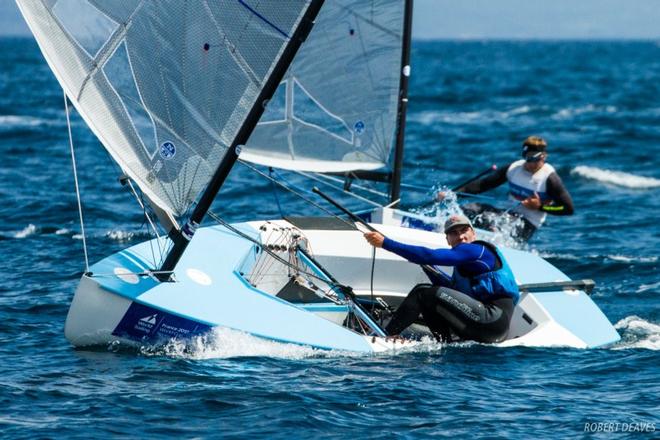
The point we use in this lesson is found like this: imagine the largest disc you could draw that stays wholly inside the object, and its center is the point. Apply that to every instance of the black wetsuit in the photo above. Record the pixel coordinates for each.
(559, 203)
(446, 311)
(474, 313)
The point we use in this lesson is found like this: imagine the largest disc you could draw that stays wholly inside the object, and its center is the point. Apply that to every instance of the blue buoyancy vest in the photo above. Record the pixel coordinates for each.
(486, 286)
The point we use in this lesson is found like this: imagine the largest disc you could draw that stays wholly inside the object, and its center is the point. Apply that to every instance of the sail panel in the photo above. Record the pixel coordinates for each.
(336, 109)
(164, 84)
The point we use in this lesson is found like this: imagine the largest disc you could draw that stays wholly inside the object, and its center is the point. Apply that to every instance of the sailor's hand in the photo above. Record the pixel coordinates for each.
(532, 202)
(375, 239)
(440, 196)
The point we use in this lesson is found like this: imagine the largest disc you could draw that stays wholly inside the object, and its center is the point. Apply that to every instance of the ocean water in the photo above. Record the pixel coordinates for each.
(471, 105)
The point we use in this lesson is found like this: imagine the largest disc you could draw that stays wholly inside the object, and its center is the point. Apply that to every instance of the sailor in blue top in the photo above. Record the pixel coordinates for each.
(475, 303)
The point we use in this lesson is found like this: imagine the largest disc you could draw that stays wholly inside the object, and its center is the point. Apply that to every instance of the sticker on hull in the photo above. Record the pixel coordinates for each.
(143, 323)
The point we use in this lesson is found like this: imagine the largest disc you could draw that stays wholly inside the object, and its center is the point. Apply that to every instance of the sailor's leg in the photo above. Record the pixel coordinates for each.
(409, 310)
(528, 229)
(436, 323)
(472, 319)
(422, 299)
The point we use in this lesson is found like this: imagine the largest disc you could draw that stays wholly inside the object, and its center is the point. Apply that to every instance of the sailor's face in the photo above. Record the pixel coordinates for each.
(534, 166)
(460, 234)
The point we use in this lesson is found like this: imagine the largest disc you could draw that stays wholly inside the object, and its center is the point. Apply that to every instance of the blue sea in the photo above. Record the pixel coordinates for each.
(471, 105)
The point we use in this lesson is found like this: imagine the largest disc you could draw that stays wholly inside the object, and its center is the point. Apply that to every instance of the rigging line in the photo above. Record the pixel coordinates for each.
(264, 19)
(146, 214)
(373, 268)
(75, 179)
(364, 199)
(158, 242)
(144, 211)
(285, 243)
(296, 193)
(265, 262)
(265, 249)
(258, 271)
(268, 263)
(356, 185)
(277, 199)
(417, 187)
(274, 242)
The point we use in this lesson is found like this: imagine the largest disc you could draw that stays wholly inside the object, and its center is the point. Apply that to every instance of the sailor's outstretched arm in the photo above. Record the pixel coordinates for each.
(562, 204)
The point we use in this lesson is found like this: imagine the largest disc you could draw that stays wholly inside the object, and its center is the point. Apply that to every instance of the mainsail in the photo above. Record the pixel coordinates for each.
(164, 84)
(336, 110)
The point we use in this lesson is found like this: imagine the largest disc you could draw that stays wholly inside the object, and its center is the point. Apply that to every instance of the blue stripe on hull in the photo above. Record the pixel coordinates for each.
(146, 324)
(414, 223)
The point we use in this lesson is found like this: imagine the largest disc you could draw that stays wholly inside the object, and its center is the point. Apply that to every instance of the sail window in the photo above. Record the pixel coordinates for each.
(120, 75)
(276, 109)
(308, 110)
(85, 24)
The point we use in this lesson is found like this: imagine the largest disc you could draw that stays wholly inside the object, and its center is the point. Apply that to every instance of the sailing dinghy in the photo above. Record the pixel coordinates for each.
(173, 90)
(554, 309)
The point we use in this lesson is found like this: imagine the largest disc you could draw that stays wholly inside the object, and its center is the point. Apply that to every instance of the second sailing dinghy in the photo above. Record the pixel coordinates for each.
(173, 90)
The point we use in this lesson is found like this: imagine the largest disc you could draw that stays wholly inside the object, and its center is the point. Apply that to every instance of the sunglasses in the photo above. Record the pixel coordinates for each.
(533, 158)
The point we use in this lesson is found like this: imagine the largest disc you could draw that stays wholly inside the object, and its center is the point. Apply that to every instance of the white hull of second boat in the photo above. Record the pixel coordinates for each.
(567, 318)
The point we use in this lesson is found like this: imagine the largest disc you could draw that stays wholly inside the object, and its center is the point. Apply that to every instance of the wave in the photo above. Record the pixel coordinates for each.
(627, 259)
(113, 235)
(19, 121)
(618, 178)
(615, 257)
(645, 287)
(124, 236)
(637, 333)
(476, 117)
(26, 232)
(10, 122)
(569, 112)
(31, 230)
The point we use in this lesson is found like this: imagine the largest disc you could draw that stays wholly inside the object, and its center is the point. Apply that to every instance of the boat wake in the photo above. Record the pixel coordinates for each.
(637, 333)
(596, 257)
(617, 178)
(223, 343)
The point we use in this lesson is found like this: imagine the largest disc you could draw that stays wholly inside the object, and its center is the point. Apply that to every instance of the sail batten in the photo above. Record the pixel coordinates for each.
(165, 85)
(336, 109)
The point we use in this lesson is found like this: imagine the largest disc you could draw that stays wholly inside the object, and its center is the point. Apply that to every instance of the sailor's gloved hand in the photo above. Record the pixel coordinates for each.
(532, 202)
(375, 239)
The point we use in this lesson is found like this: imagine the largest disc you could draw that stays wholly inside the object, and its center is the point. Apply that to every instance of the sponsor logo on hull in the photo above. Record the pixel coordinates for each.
(143, 323)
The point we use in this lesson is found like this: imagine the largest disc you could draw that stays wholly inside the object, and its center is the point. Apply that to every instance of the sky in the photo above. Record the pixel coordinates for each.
(498, 19)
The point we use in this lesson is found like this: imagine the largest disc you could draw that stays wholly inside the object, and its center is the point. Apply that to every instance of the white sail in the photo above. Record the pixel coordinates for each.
(164, 84)
(337, 108)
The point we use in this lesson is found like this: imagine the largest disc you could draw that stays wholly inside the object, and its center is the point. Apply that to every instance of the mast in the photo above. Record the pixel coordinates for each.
(395, 182)
(182, 238)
